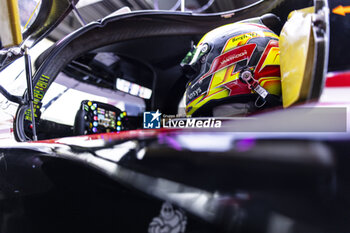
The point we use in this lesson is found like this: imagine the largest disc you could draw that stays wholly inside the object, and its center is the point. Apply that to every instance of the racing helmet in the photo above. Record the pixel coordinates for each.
(235, 63)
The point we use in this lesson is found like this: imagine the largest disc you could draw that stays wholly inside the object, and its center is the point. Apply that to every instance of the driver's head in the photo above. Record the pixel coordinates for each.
(215, 67)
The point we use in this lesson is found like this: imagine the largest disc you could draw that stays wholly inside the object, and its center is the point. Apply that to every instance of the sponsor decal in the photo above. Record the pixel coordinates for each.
(245, 36)
(170, 220)
(231, 57)
(38, 92)
(194, 94)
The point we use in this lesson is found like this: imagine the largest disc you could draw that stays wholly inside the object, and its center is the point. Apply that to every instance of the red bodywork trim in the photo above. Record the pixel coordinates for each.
(338, 79)
(124, 135)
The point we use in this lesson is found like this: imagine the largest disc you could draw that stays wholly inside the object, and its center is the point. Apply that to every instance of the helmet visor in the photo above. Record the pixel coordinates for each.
(195, 55)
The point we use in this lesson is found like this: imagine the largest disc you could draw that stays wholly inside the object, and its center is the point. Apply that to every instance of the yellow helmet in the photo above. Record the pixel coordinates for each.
(216, 65)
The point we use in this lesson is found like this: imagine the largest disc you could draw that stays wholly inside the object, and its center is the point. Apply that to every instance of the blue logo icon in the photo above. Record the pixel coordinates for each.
(151, 120)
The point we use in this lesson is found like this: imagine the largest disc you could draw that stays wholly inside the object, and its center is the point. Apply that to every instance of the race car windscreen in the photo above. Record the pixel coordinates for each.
(95, 94)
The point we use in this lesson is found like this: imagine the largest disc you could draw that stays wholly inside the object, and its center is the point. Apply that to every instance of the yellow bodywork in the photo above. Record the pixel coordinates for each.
(10, 27)
(296, 56)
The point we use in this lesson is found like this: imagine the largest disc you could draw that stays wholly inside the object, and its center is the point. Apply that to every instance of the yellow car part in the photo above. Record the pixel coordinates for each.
(10, 33)
(297, 56)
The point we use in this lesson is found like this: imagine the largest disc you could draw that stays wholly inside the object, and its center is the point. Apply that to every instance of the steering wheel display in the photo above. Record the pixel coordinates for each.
(95, 117)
